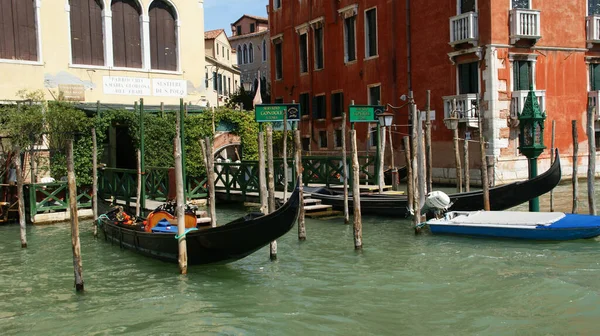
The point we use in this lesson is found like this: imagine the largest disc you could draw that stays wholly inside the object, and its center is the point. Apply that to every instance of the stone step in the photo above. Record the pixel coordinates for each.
(313, 208)
(308, 201)
(324, 214)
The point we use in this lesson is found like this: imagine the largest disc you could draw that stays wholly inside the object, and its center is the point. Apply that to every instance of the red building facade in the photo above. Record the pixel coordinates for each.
(485, 54)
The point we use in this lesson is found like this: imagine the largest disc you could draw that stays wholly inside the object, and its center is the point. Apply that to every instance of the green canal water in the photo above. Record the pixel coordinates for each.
(400, 284)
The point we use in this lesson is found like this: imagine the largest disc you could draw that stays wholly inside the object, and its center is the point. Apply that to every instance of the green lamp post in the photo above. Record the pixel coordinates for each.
(531, 138)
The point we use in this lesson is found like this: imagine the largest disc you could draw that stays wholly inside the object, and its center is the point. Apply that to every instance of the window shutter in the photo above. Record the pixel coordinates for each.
(524, 75)
(467, 6)
(127, 40)
(474, 77)
(315, 108)
(163, 41)
(595, 77)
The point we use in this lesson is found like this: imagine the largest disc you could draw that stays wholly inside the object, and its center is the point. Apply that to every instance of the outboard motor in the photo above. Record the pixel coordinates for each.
(436, 203)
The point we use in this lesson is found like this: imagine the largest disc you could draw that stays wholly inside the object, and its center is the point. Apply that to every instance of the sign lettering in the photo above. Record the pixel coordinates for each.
(275, 112)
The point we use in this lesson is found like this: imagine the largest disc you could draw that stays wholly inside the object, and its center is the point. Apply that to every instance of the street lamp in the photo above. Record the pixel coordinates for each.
(531, 138)
(386, 119)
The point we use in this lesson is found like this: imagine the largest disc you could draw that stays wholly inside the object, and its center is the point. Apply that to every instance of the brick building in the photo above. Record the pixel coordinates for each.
(326, 54)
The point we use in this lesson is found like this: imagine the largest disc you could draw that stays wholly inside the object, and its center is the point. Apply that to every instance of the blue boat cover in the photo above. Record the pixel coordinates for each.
(572, 221)
(163, 226)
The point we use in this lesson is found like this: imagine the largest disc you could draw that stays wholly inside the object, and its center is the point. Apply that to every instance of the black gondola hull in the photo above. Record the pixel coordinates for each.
(501, 197)
(221, 244)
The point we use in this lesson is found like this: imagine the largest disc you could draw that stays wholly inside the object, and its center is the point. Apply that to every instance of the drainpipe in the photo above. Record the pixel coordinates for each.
(408, 43)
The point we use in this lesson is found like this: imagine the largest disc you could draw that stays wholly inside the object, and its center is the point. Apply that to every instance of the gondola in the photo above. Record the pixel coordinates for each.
(222, 244)
(501, 197)
(387, 175)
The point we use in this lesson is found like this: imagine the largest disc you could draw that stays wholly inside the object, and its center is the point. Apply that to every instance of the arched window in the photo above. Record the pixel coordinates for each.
(251, 53)
(127, 37)
(18, 33)
(245, 54)
(264, 51)
(163, 36)
(87, 37)
(239, 54)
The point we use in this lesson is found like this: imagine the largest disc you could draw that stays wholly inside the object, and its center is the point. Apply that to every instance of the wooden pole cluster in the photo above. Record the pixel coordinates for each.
(210, 173)
(95, 181)
(75, 242)
(356, 192)
(301, 225)
(575, 156)
(271, 185)
(409, 174)
(262, 177)
(484, 176)
(552, 158)
(466, 159)
(20, 196)
(457, 151)
(591, 172)
(180, 198)
(345, 169)
(428, 155)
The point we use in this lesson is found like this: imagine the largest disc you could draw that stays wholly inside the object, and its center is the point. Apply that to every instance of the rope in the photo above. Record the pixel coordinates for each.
(185, 233)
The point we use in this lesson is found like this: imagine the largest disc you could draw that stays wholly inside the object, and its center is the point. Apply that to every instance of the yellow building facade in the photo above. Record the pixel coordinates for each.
(113, 51)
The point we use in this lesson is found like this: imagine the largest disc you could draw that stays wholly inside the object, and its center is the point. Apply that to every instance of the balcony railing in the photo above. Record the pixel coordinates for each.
(593, 30)
(593, 100)
(524, 24)
(464, 28)
(518, 101)
(466, 107)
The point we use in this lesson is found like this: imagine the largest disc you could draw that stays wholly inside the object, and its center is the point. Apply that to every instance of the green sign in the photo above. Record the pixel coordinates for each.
(275, 112)
(365, 113)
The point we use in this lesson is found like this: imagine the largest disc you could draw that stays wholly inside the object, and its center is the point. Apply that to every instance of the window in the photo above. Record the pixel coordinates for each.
(468, 78)
(375, 95)
(305, 106)
(318, 38)
(278, 61)
(217, 47)
(229, 85)
(322, 139)
(163, 36)
(374, 136)
(522, 75)
(238, 30)
(264, 51)
(593, 7)
(279, 100)
(251, 53)
(245, 54)
(252, 28)
(371, 32)
(337, 104)
(595, 78)
(220, 80)
(239, 54)
(228, 54)
(276, 4)
(319, 107)
(87, 37)
(521, 4)
(127, 37)
(215, 81)
(467, 6)
(303, 53)
(18, 32)
(306, 144)
(350, 39)
(206, 80)
(338, 138)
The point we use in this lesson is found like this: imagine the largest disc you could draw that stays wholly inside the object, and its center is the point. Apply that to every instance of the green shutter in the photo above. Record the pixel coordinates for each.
(595, 77)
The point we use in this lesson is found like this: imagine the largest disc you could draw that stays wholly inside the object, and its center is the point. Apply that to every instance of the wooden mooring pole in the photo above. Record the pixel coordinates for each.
(139, 184)
(183, 259)
(575, 159)
(75, 243)
(345, 169)
(409, 174)
(466, 159)
(262, 176)
(381, 156)
(591, 172)
(552, 158)
(20, 196)
(285, 165)
(484, 177)
(298, 142)
(428, 155)
(356, 192)
(457, 151)
(414, 160)
(95, 181)
(210, 173)
(271, 185)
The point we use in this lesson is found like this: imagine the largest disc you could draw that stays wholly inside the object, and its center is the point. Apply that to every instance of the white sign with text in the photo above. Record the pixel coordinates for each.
(169, 87)
(130, 86)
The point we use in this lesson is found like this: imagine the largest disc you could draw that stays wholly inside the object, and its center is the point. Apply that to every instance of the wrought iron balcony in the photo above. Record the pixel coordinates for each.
(466, 108)
(464, 28)
(593, 101)
(524, 24)
(518, 101)
(593, 30)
